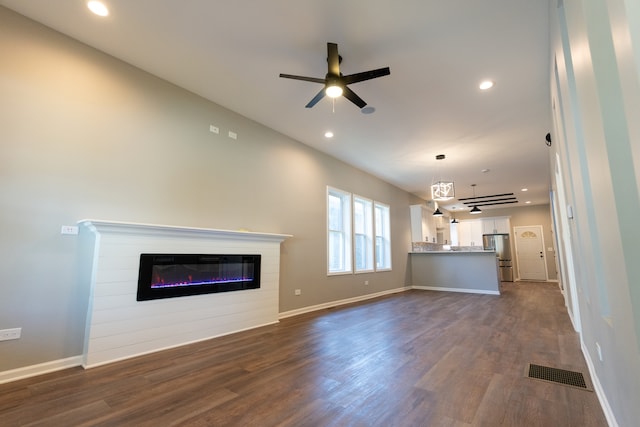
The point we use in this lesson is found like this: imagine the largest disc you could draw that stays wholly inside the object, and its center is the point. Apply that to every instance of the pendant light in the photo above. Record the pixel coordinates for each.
(475, 210)
(437, 212)
(442, 190)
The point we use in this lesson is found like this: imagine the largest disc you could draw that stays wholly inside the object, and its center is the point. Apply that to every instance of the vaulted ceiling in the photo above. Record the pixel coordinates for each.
(232, 53)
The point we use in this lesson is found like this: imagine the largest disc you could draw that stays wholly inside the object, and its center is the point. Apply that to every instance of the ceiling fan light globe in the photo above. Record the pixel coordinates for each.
(333, 91)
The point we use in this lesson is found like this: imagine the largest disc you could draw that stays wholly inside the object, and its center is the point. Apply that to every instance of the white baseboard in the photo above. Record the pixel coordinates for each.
(309, 309)
(463, 290)
(40, 369)
(597, 387)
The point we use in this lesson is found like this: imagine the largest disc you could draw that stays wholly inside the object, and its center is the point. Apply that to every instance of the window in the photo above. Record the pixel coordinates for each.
(339, 231)
(368, 248)
(383, 237)
(363, 234)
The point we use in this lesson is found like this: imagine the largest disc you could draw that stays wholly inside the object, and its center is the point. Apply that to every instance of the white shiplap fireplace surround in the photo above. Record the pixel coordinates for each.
(119, 327)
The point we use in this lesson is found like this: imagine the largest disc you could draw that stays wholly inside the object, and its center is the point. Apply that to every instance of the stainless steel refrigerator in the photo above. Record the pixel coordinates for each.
(502, 245)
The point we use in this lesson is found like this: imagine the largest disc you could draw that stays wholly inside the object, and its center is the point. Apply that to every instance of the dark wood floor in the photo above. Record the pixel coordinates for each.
(418, 358)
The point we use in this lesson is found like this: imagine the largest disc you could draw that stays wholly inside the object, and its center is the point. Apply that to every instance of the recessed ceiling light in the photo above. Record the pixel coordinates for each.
(485, 170)
(486, 84)
(528, 202)
(98, 8)
(525, 189)
(328, 134)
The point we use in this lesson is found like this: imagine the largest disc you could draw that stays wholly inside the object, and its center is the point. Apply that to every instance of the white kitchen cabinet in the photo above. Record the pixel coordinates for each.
(423, 224)
(503, 225)
(470, 232)
(496, 225)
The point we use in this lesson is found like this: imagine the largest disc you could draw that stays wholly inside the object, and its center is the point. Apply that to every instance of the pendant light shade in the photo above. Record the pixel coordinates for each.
(454, 221)
(437, 212)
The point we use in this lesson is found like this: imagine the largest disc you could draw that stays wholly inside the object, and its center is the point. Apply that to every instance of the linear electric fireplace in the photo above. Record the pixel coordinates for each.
(177, 275)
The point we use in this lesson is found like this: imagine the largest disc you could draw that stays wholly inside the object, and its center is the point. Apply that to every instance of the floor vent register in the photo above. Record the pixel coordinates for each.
(558, 376)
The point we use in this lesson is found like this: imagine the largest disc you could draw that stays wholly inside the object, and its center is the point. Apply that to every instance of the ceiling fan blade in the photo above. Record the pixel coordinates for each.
(315, 99)
(351, 96)
(306, 79)
(366, 75)
(333, 59)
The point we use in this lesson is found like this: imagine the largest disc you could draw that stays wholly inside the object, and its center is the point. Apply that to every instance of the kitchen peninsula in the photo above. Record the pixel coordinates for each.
(471, 271)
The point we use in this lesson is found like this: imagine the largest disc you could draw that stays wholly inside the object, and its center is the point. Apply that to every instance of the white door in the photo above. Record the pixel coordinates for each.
(532, 264)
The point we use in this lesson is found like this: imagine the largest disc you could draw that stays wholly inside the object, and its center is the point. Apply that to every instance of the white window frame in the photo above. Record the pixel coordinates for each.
(341, 231)
(377, 234)
(363, 240)
(382, 221)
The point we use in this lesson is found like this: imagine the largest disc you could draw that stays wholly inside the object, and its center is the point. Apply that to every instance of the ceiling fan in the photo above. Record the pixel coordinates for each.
(335, 84)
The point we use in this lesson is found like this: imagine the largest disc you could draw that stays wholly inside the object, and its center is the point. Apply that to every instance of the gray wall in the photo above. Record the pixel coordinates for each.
(86, 136)
(523, 216)
(596, 98)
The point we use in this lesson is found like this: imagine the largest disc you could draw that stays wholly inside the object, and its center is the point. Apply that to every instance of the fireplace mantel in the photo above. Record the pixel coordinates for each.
(103, 226)
(119, 327)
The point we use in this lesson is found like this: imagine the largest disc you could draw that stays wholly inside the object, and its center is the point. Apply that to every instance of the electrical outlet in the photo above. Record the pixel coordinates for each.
(10, 334)
(297, 292)
(233, 135)
(366, 282)
(214, 129)
(69, 229)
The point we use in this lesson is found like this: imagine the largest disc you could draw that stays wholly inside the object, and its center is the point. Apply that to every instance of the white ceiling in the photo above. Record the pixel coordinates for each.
(232, 52)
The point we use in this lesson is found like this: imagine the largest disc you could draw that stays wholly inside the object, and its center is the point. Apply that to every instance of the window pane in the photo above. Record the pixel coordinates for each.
(335, 213)
(338, 231)
(383, 237)
(358, 217)
(336, 251)
(360, 252)
(363, 233)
